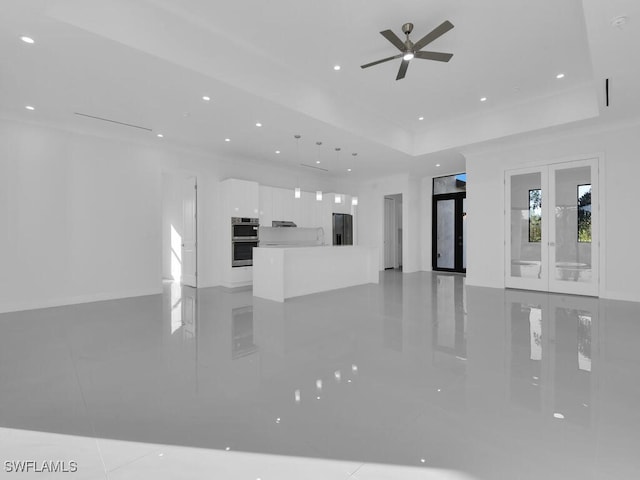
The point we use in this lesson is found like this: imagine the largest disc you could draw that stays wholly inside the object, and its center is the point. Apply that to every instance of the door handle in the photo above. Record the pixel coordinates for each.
(552, 244)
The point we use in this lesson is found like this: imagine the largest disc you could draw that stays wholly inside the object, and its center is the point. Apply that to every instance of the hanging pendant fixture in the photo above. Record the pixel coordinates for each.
(318, 192)
(337, 198)
(296, 192)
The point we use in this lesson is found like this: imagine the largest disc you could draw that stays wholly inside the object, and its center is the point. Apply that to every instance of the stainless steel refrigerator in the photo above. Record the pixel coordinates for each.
(342, 229)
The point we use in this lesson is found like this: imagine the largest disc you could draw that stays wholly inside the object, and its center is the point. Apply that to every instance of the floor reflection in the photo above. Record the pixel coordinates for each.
(419, 370)
(551, 361)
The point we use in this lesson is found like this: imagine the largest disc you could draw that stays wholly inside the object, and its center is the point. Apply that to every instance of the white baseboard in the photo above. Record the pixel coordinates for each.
(58, 302)
(237, 284)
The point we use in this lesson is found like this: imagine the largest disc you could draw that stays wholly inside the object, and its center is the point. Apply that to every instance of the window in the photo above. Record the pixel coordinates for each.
(450, 184)
(584, 213)
(535, 215)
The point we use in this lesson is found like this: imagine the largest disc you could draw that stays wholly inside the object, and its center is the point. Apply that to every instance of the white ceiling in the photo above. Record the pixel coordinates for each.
(149, 62)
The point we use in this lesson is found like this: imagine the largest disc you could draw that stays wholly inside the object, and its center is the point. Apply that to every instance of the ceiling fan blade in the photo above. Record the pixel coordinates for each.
(403, 69)
(380, 61)
(440, 30)
(438, 56)
(393, 38)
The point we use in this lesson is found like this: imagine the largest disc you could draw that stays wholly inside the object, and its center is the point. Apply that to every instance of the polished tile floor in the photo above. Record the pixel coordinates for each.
(415, 378)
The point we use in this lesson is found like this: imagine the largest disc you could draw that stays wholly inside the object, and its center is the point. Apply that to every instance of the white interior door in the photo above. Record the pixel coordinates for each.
(551, 225)
(189, 232)
(389, 232)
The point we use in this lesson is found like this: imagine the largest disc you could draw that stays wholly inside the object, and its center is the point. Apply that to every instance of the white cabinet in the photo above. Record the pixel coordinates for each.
(266, 205)
(278, 203)
(240, 197)
(287, 203)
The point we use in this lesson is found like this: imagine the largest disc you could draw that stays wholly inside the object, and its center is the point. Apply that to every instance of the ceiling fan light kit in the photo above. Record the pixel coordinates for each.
(410, 50)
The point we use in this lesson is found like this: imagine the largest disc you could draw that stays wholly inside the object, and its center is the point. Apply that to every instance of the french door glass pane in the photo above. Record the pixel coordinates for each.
(573, 250)
(464, 232)
(526, 225)
(445, 210)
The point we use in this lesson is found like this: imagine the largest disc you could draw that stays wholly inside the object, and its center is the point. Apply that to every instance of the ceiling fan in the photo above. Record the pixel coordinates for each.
(412, 50)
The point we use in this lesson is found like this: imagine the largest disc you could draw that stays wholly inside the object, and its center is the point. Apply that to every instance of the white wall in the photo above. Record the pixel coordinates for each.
(82, 215)
(618, 188)
(79, 219)
(426, 215)
(371, 217)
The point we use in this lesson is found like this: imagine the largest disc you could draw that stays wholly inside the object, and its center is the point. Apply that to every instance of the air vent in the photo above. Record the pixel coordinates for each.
(112, 121)
(314, 167)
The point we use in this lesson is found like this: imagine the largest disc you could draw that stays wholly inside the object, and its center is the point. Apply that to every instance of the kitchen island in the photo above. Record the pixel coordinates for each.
(284, 272)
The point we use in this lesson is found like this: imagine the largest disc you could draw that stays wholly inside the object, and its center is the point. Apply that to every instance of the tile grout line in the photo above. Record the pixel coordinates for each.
(132, 461)
(352, 474)
(86, 409)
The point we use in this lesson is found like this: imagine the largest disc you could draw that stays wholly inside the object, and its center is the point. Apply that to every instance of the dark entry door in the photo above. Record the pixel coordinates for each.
(449, 232)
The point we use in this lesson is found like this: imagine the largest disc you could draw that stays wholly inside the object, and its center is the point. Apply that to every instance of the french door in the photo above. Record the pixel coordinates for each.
(551, 227)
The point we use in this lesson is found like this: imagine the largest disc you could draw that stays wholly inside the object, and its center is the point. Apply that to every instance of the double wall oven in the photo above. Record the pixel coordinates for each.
(244, 237)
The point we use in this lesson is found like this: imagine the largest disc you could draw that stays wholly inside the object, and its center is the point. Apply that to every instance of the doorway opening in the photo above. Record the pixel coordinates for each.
(179, 228)
(393, 231)
(449, 227)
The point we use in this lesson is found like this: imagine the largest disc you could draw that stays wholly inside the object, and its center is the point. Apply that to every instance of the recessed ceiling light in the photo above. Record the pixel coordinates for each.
(317, 161)
(29, 107)
(560, 75)
(619, 21)
(348, 169)
(227, 139)
(437, 164)
(336, 67)
(206, 99)
(258, 124)
(420, 118)
(160, 135)
(26, 39)
(483, 99)
(278, 151)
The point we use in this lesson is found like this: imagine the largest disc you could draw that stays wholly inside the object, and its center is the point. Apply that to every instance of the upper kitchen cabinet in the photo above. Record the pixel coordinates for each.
(266, 205)
(240, 197)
